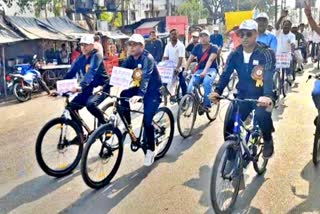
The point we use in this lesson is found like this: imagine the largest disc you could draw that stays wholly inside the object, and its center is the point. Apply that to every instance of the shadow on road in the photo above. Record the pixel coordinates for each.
(277, 113)
(311, 203)
(202, 183)
(31, 191)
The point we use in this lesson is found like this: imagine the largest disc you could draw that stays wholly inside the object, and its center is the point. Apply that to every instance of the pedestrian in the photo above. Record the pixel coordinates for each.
(63, 54)
(98, 45)
(154, 46)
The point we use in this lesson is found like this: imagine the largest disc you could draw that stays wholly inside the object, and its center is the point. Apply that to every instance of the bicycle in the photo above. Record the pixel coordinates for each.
(191, 105)
(245, 145)
(316, 141)
(68, 144)
(281, 85)
(107, 143)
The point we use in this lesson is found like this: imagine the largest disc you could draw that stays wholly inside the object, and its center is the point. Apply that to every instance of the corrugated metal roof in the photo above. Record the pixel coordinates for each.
(32, 28)
(7, 35)
(64, 25)
(114, 35)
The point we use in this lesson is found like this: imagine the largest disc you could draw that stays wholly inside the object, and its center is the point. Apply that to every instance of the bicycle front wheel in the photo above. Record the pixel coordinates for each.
(213, 112)
(163, 123)
(316, 144)
(187, 114)
(59, 147)
(225, 181)
(259, 163)
(102, 156)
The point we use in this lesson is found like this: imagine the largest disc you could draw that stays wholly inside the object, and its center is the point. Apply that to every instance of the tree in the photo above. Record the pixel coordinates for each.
(37, 6)
(193, 10)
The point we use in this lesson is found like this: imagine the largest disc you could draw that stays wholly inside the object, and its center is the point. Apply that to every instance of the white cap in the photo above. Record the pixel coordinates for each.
(262, 15)
(195, 34)
(249, 25)
(87, 39)
(136, 38)
(205, 32)
(215, 27)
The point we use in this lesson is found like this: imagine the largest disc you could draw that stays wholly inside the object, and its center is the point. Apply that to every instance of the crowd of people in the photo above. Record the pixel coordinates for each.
(255, 45)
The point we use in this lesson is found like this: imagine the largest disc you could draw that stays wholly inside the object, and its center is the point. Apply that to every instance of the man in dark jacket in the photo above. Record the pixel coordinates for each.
(90, 65)
(255, 65)
(149, 90)
(155, 47)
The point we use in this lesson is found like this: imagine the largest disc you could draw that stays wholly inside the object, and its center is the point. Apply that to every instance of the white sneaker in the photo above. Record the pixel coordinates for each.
(149, 158)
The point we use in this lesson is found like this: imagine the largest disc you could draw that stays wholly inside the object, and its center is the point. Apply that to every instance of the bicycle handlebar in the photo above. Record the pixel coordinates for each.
(118, 98)
(241, 100)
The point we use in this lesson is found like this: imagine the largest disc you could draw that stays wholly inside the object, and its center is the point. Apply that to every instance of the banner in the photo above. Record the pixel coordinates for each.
(283, 60)
(64, 86)
(121, 77)
(236, 18)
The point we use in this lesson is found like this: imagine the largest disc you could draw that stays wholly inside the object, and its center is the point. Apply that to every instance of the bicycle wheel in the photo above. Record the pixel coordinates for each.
(259, 163)
(102, 156)
(63, 137)
(163, 123)
(213, 112)
(316, 144)
(224, 188)
(277, 88)
(187, 114)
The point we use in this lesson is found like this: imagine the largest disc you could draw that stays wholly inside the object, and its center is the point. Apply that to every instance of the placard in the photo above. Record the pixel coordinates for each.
(283, 60)
(121, 77)
(166, 74)
(64, 86)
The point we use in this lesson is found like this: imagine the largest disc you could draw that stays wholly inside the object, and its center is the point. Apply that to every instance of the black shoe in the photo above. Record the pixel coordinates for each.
(268, 149)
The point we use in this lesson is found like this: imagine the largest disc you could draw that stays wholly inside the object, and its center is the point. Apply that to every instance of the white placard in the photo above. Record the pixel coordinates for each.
(64, 86)
(166, 74)
(121, 77)
(283, 60)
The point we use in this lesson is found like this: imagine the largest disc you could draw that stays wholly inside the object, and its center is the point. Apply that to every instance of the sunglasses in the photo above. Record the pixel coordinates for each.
(133, 44)
(243, 34)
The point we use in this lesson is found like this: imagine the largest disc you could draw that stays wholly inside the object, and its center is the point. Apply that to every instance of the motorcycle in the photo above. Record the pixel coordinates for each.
(28, 80)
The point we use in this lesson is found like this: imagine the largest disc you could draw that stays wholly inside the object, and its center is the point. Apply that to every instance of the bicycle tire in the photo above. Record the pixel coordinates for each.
(92, 139)
(213, 117)
(170, 138)
(193, 113)
(277, 88)
(260, 169)
(216, 172)
(316, 145)
(49, 171)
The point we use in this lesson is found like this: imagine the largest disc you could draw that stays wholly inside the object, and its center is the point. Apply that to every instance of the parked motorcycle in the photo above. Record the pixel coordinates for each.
(28, 80)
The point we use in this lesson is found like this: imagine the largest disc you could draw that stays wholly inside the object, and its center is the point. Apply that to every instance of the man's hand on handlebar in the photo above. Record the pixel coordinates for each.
(214, 97)
(264, 102)
(135, 99)
(76, 90)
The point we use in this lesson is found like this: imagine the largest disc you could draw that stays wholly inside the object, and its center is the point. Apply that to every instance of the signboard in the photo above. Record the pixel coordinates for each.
(166, 74)
(202, 21)
(64, 86)
(121, 77)
(236, 18)
(283, 60)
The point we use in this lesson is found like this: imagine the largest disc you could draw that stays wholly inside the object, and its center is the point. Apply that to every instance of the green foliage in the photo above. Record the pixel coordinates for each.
(194, 10)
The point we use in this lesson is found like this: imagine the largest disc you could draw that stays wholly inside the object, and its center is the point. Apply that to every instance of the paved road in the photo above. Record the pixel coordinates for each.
(179, 183)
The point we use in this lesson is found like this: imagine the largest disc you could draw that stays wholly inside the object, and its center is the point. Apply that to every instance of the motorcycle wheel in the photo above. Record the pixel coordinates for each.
(19, 93)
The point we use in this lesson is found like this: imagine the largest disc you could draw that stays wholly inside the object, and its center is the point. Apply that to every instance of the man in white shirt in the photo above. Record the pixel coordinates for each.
(175, 51)
(286, 40)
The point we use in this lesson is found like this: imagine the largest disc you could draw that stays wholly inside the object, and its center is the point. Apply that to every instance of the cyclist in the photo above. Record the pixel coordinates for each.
(206, 55)
(255, 65)
(149, 90)
(90, 64)
(195, 41)
(175, 51)
(286, 40)
(265, 37)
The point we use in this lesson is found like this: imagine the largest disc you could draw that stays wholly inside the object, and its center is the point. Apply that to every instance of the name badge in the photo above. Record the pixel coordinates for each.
(255, 62)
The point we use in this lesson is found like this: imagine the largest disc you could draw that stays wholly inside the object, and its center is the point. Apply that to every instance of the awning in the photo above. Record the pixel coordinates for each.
(33, 28)
(146, 27)
(65, 26)
(114, 35)
(7, 35)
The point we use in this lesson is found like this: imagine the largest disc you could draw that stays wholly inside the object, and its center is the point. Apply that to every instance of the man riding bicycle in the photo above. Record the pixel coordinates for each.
(90, 64)
(149, 90)
(206, 70)
(255, 65)
(265, 37)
